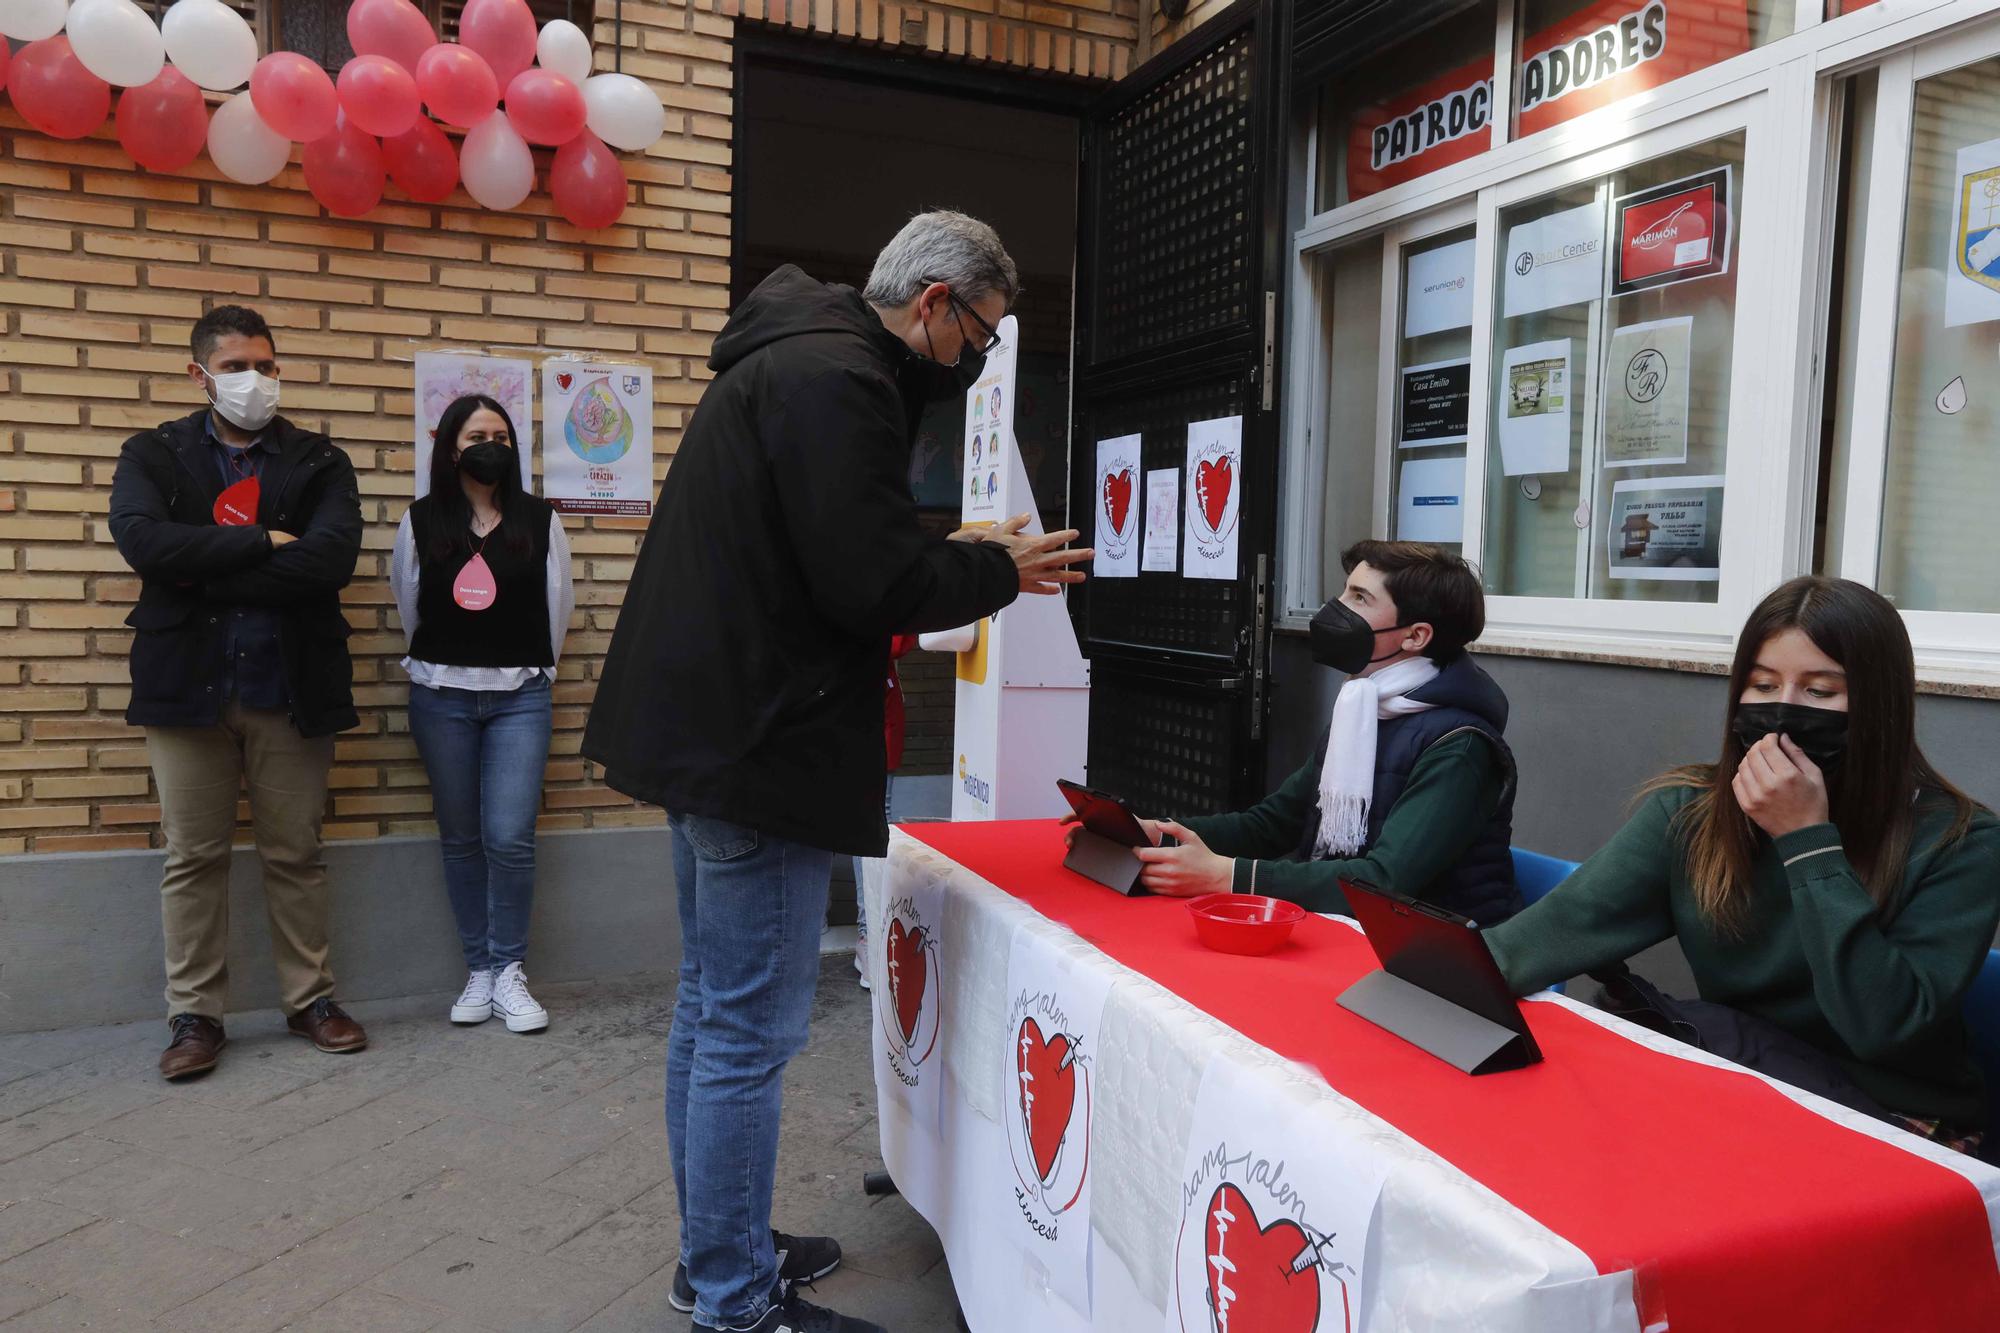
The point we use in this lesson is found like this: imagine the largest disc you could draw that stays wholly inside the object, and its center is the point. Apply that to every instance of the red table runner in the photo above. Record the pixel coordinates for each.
(1737, 1209)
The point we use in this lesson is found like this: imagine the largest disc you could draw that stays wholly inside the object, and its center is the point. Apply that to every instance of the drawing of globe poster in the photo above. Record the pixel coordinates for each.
(603, 414)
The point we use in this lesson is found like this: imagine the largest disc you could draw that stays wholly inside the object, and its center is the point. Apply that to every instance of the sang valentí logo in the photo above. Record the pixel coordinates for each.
(910, 1020)
(1047, 1111)
(1248, 1258)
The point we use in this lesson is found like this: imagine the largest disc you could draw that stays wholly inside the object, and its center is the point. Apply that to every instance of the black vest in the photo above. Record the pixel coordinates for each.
(514, 630)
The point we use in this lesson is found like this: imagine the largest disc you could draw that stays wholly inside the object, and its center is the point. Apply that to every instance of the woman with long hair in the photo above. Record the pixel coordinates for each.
(1834, 894)
(481, 575)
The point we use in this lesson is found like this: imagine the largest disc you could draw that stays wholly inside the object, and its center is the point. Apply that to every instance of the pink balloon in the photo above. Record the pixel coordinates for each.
(422, 163)
(587, 182)
(163, 124)
(503, 31)
(378, 94)
(344, 170)
(545, 107)
(393, 28)
(457, 85)
(54, 92)
(293, 96)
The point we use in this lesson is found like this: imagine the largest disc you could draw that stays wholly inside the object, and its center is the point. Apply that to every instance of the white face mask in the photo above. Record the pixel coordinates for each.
(246, 399)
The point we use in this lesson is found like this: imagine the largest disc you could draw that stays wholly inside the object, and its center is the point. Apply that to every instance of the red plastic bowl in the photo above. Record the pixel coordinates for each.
(1247, 923)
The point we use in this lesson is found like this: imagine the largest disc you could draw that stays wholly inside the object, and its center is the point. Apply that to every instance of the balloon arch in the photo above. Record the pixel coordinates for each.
(505, 84)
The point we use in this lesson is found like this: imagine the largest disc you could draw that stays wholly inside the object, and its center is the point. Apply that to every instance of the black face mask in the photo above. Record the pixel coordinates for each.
(1341, 639)
(485, 462)
(940, 382)
(1820, 732)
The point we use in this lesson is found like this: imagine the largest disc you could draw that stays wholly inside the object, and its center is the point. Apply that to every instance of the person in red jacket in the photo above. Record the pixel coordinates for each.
(893, 728)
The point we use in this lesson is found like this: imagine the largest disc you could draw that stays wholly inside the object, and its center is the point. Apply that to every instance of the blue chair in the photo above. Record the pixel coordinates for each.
(1536, 874)
(1982, 1015)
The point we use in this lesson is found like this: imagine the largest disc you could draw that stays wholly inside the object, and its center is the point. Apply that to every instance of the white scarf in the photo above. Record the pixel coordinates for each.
(1347, 779)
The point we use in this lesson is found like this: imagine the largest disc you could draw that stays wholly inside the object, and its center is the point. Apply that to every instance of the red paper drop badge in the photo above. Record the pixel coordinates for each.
(473, 589)
(236, 507)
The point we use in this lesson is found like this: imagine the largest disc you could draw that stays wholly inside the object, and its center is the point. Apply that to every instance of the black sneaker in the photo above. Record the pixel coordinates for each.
(801, 1259)
(791, 1314)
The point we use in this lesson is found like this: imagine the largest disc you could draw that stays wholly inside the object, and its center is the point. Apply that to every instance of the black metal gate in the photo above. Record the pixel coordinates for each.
(1180, 252)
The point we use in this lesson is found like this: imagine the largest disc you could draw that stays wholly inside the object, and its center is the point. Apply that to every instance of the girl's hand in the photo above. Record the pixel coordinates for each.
(1186, 871)
(1779, 788)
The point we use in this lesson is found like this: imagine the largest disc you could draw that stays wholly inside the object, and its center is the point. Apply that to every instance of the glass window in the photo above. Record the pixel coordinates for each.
(1423, 104)
(1352, 281)
(1614, 329)
(1433, 388)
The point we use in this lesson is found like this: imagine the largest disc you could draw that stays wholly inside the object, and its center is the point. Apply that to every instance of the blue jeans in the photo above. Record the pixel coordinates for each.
(485, 751)
(751, 909)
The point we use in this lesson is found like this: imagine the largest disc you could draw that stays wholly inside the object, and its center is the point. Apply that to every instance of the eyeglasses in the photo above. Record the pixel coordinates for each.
(959, 305)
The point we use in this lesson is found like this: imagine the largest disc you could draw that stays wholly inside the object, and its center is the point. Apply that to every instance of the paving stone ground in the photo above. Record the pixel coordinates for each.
(446, 1179)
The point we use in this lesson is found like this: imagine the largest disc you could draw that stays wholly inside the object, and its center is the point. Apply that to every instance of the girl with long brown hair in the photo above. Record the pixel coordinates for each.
(1834, 894)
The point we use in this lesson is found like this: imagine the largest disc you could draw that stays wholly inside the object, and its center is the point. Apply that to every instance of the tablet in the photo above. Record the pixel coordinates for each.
(1104, 814)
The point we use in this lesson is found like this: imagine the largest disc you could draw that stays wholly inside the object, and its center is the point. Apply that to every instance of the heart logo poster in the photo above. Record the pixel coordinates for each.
(1116, 538)
(1213, 489)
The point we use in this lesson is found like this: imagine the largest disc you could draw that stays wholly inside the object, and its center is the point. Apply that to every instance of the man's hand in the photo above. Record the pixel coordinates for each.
(1042, 562)
(1779, 788)
(278, 538)
(1186, 871)
(972, 532)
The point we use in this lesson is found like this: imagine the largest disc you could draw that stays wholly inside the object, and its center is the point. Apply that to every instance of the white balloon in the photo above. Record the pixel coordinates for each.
(116, 41)
(32, 20)
(624, 112)
(564, 49)
(242, 146)
(495, 164)
(210, 43)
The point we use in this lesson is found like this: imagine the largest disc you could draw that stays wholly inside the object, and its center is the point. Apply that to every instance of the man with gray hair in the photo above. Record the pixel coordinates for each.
(743, 693)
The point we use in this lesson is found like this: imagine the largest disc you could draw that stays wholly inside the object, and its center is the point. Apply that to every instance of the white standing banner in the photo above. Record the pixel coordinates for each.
(1163, 521)
(442, 377)
(1972, 277)
(1554, 261)
(1116, 535)
(1214, 490)
(1439, 290)
(1536, 406)
(597, 437)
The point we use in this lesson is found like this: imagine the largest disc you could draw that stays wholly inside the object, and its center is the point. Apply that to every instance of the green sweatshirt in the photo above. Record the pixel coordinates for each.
(1453, 791)
(1882, 1000)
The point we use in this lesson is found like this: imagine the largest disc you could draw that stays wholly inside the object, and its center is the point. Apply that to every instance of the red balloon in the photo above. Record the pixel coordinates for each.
(393, 28)
(503, 31)
(378, 94)
(344, 170)
(6, 58)
(587, 182)
(457, 84)
(54, 92)
(163, 125)
(422, 163)
(545, 107)
(293, 96)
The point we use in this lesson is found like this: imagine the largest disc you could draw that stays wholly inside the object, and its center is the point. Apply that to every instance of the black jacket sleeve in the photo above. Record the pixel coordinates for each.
(320, 561)
(159, 548)
(837, 448)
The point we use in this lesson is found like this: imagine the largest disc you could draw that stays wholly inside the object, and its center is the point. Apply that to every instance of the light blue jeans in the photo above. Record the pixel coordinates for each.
(751, 909)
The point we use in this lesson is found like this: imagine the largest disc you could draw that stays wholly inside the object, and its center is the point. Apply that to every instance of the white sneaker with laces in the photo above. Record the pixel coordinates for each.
(512, 1002)
(475, 1003)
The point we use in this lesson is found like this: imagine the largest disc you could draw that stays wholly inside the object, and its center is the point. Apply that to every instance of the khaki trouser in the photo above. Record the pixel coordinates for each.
(199, 771)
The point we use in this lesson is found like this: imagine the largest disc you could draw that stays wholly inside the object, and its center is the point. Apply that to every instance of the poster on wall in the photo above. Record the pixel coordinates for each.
(1667, 529)
(1972, 278)
(1214, 489)
(1672, 233)
(1163, 528)
(1116, 535)
(1646, 393)
(1606, 50)
(1430, 503)
(1440, 121)
(1535, 408)
(1438, 290)
(442, 377)
(1436, 404)
(597, 437)
(1554, 261)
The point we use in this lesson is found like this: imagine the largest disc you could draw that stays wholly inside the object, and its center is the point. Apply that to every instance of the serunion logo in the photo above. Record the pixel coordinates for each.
(1524, 262)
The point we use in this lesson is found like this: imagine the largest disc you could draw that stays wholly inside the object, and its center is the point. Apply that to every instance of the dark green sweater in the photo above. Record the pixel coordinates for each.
(1811, 958)
(1453, 791)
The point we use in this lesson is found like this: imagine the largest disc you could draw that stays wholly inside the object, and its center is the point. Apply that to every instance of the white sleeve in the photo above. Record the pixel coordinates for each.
(405, 577)
(562, 589)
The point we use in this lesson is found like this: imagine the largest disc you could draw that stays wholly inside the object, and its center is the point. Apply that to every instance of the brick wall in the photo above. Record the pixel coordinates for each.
(104, 268)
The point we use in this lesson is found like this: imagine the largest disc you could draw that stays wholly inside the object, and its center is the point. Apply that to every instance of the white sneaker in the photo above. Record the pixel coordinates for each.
(512, 1002)
(475, 1003)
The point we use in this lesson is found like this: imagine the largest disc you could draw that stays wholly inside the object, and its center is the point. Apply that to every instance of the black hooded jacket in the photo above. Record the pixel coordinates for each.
(745, 677)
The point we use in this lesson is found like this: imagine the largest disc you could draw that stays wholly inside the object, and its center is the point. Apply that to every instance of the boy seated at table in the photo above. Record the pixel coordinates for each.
(1412, 788)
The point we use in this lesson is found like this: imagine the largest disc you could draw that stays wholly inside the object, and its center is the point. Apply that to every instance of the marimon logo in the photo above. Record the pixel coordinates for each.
(1048, 1121)
(1213, 497)
(910, 1019)
(1115, 501)
(1247, 1258)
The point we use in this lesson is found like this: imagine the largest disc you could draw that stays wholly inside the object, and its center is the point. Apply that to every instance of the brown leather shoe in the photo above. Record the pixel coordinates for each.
(328, 1027)
(196, 1046)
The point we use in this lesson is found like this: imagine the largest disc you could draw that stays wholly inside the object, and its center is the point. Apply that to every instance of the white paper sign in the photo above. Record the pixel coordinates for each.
(908, 998)
(1667, 529)
(1439, 294)
(1972, 271)
(1214, 491)
(1116, 537)
(1277, 1201)
(1430, 500)
(444, 376)
(989, 434)
(597, 435)
(1163, 526)
(1645, 393)
(1054, 1015)
(1535, 408)
(1555, 261)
